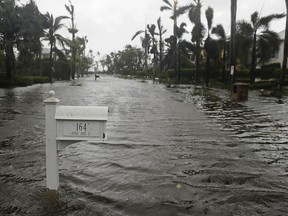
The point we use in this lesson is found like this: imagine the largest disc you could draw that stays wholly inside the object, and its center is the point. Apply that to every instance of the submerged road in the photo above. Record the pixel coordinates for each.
(172, 152)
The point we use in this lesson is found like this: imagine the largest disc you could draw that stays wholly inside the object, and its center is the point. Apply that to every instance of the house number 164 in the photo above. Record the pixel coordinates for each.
(81, 126)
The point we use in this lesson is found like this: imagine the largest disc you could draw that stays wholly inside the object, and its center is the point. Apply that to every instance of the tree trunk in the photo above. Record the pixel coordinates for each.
(224, 62)
(179, 63)
(232, 38)
(50, 63)
(161, 54)
(207, 70)
(9, 59)
(175, 56)
(285, 54)
(207, 74)
(253, 61)
(197, 63)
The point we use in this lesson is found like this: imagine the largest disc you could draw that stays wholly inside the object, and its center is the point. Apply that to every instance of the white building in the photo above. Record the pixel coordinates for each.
(45, 53)
(277, 57)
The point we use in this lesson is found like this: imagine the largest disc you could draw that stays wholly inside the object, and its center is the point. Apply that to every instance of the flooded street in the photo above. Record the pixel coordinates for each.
(169, 152)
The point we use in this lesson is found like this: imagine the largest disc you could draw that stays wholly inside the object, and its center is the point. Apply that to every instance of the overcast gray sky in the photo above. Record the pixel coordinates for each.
(110, 24)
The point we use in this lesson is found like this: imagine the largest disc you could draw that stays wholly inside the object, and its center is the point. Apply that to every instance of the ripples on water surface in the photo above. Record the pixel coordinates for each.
(169, 152)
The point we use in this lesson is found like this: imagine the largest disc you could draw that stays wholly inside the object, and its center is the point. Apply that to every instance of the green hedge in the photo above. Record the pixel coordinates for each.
(40, 79)
(268, 73)
(22, 81)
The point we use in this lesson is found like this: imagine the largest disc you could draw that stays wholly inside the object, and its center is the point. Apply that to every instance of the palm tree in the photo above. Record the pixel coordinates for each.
(261, 37)
(145, 44)
(28, 43)
(176, 12)
(151, 29)
(220, 33)
(209, 13)
(161, 32)
(9, 28)
(285, 52)
(198, 33)
(73, 31)
(52, 37)
(181, 45)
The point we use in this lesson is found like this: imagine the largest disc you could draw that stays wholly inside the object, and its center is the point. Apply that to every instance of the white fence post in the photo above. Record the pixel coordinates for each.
(52, 171)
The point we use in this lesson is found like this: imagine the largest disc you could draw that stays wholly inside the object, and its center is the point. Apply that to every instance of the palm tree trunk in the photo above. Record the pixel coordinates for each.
(253, 62)
(175, 44)
(224, 62)
(179, 62)
(198, 41)
(175, 57)
(232, 38)
(161, 54)
(50, 63)
(207, 70)
(285, 54)
(197, 62)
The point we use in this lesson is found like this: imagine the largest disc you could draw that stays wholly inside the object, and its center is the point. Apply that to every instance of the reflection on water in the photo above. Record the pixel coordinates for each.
(179, 151)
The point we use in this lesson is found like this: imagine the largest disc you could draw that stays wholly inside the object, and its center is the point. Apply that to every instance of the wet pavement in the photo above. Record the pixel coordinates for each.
(173, 152)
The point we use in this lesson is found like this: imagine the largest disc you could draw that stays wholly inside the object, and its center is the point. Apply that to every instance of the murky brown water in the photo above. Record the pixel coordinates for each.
(169, 152)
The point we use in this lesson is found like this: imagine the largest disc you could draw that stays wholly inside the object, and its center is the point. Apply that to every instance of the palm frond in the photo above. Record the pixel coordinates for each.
(209, 13)
(136, 34)
(168, 3)
(198, 32)
(244, 28)
(219, 31)
(192, 14)
(160, 27)
(68, 9)
(151, 29)
(181, 30)
(182, 10)
(265, 21)
(57, 23)
(163, 8)
(190, 46)
(255, 18)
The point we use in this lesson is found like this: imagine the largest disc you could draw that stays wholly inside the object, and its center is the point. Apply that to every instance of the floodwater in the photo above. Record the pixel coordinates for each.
(169, 152)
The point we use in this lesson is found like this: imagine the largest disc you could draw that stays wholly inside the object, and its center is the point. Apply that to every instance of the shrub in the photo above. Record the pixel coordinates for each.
(268, 73)
(40, 79)
(22, 81)
(271, 66)
(244, 73)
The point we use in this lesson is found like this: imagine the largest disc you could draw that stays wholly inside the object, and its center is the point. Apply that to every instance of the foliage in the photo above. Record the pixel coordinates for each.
(273, 66)
(22, 81)
(263, 40)
(51, 35)
(125, 62)
(30, 33)
(198, 33)
(9, 29)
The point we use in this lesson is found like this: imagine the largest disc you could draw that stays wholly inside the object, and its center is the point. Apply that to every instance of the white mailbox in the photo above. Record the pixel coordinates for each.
(79, 123)
(65, 125)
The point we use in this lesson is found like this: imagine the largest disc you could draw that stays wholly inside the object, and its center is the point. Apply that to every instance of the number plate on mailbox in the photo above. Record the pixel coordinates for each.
(81, 128)
(81, 123)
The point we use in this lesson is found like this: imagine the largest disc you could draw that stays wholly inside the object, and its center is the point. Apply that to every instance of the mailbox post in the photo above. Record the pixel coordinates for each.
(65, 125)
(52, 173)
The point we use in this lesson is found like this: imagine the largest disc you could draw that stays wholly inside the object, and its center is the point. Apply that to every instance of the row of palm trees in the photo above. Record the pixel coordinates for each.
(23, 28)
(250, 42)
